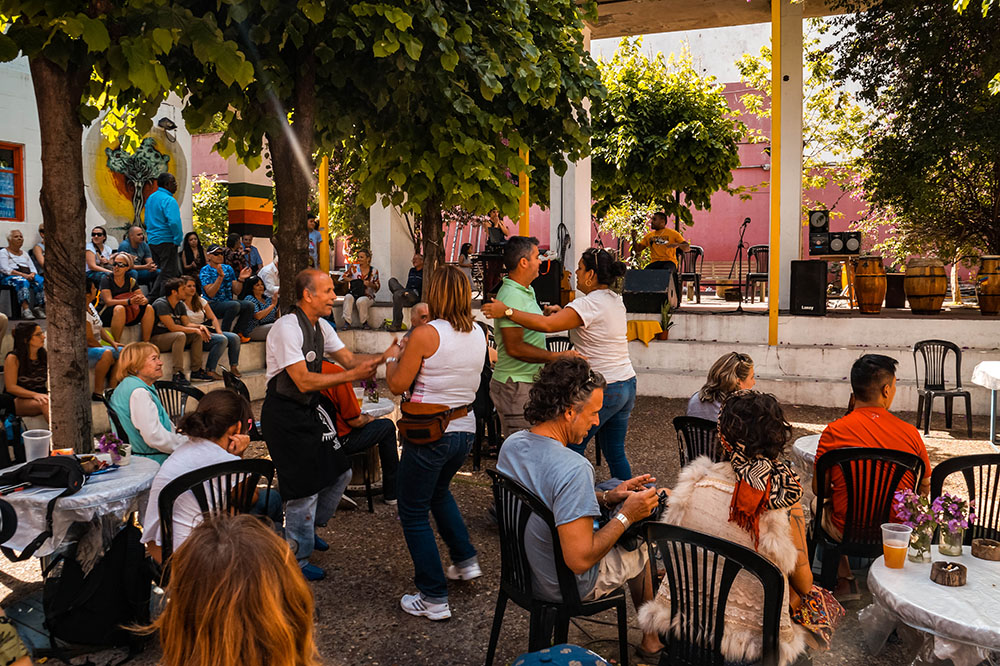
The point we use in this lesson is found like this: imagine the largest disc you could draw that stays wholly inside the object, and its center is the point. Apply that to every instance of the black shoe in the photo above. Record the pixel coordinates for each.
(200, 375)
(179, 378)
(96, 397)
(365, 327)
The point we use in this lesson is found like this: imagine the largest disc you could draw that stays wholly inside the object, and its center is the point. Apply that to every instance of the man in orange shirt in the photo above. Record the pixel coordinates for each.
(663, 243)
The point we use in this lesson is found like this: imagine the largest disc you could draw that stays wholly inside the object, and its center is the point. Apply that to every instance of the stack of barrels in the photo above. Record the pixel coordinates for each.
(925, 283)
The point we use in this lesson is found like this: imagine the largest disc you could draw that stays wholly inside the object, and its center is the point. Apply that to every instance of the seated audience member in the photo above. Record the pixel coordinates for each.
(252, 254)
(98, 254)
(26, 371)
(364, 283)
(192, 256)
(220, 286)
(465, 260)
(563, 405)
(236, 599)
(236, 255)
(730, 373)
(173, 331)
(359, 432)
(147, 425)
(144, 270)
(199, 313)
(122, 302)
(751, 500)
(269, 275)
(315, 241)
(102, 348)
(20, 272)
(420, 314)
(265, 309)
(404, 297)
(38, 252)
(868, 424)
(216, 433)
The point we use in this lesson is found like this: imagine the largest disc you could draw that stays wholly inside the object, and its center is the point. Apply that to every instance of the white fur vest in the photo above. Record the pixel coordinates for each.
(700, 501)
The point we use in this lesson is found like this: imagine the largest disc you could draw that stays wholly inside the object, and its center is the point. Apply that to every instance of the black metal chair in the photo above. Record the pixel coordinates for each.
(558, 343)
(697, 437)
(757, 263)
(700, 571)
(219, 489)
(116, 424)
(691, 269)
(871, 478)
(234, 383)
(982, 483)
(175, 396)
(515, 504)
(935, 355)
(8, 521)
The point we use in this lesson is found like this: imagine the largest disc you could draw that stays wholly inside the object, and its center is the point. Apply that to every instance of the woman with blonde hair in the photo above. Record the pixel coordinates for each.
(730, 373)
(441, 361)
(236, 597)
(143, 417)
(122, 301)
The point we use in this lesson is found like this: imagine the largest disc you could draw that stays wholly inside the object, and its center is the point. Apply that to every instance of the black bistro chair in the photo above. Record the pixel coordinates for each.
(175, 396)
(871, 477)
(234, 383)
(982, 484)
(935, 355)
(697, 437)
(558, 343)
(116, 423)
(700, 570)
(757, 260)
(515, 504)
(691, 269)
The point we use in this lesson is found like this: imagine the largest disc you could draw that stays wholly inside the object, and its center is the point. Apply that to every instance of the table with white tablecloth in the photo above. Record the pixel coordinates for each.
(803, 460)
(384, 407)
(987, 374)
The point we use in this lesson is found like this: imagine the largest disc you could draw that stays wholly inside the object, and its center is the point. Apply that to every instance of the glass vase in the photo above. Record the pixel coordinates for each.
(920, 544)
(951, 542)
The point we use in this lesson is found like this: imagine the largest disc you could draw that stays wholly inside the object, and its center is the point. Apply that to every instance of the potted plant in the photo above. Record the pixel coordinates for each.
(121, 453)
(370, 388)
(915, 510)
(665, 322)
(953, 515)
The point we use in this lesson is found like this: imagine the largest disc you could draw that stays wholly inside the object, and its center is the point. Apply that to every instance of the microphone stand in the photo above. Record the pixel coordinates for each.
(739, 258)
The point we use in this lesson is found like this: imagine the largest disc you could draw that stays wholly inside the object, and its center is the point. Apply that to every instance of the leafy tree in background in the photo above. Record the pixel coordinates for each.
(210, 210)
(985, 5)
(663, 135)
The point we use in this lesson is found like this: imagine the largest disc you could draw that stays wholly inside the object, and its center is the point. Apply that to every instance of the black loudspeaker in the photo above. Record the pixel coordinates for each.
(546, 285)
(808, 287)
(845, 242)
(819, 221)
(819, 243)
(646, 291)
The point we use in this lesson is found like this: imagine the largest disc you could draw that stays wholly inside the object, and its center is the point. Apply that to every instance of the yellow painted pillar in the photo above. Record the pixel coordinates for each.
(324, 213)
(522, 181)
(775, 185)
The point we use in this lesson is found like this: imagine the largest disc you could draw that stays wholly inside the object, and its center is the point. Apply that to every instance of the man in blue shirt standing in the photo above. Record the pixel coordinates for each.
(220, 286)
(164, 230)
(134, 243)
(253, 255)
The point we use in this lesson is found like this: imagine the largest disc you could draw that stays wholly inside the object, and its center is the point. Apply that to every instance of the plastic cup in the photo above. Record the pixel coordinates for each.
(36, 444)
(895, 542)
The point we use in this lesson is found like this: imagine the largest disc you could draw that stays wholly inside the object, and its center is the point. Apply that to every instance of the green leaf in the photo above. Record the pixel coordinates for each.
(314, 11)
(8, 48)
(449, 60)
(162, 38)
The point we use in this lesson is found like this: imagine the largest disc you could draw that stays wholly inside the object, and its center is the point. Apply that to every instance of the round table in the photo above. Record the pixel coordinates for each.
(987, 374)
(961, 623)
(116, 493)
(803, 459)
(383, 407)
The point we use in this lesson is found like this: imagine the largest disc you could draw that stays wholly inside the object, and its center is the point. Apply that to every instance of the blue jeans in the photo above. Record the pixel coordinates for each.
(94, 354)
(31, 292)
(425, 473)
(218, 343)
(304, 514)
(619, 399)
(227, 312)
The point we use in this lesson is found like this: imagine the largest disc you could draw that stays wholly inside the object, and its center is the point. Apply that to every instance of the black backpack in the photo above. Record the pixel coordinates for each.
(51, 472)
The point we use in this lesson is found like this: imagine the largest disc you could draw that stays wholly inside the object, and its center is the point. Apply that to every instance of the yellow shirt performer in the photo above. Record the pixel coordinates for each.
(663, 244)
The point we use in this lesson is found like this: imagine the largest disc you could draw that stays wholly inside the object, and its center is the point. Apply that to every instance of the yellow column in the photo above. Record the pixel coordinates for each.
(775, 240)
(324, 213)
(522, 180)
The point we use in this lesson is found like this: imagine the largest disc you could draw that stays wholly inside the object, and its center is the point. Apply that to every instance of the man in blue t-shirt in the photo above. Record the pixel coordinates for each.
(134, 243)
(220, 285)
(564, 405)
(164, 231)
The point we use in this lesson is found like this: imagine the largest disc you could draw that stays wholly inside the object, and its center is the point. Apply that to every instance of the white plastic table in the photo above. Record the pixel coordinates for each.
(987, 374)
(381, 408)
(960, 623)
(117, 493)
(803, 459)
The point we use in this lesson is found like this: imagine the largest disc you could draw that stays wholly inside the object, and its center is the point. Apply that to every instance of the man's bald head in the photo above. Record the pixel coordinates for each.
(306, 279)
(420, 314)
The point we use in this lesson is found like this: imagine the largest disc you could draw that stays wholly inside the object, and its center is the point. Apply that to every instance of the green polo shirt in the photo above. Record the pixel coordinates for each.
(518, 297)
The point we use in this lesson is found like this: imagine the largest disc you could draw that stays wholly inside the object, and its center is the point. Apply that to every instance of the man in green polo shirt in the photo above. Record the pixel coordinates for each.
(521, 353)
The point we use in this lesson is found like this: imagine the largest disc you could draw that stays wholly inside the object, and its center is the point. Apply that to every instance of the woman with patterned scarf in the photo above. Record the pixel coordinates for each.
(752, 499)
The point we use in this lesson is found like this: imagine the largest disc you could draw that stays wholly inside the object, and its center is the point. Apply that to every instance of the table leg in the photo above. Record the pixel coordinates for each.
(993, 417)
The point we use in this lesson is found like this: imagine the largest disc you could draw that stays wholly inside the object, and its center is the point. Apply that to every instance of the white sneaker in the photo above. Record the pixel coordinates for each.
(465, 573)
(414, 604)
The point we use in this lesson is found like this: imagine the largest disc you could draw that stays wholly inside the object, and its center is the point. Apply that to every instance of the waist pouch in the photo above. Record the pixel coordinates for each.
(423, 423)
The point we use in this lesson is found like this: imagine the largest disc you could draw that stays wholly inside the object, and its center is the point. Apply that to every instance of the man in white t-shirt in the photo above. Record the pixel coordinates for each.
(269, 275)
(312, 471)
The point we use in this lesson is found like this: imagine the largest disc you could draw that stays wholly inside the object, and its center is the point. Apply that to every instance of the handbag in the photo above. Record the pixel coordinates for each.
(52, 472)
(819, 614)
(423, 423)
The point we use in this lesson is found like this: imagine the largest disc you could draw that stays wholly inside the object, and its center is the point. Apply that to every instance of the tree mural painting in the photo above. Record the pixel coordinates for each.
(139, 170)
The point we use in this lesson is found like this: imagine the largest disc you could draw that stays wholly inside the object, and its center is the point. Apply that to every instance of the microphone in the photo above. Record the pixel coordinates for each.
(746, 220)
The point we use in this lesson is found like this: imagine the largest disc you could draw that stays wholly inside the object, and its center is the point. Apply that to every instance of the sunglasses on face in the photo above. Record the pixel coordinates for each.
(120, 265)
(96, 234)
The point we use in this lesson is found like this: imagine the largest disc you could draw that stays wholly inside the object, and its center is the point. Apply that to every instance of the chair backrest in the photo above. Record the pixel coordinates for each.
(221, 488)
(982, 483)
(558, 343)
(515, 504)
(871, 479)
(757, 258)
(935, 354)
(234, 383)
(8, 521)
(491, 340)
(700, 571)
(697, 437)
(175, 396)
(692, 259)
(116, 424)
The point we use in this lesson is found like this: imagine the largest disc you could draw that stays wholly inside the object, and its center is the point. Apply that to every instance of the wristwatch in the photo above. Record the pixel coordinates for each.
(391, 359)
(623, 519)
(508, 312)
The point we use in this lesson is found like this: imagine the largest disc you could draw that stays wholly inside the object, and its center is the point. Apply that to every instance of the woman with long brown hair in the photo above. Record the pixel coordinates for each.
(236, 597)
(441, 361)
(730, 373)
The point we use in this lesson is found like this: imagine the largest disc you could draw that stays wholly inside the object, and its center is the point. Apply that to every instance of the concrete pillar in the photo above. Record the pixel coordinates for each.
(791, 147)
(392, 249)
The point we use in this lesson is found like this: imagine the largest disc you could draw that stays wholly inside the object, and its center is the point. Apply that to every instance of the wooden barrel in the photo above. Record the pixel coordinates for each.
(925, 285)
(869, 284)
(988, 285)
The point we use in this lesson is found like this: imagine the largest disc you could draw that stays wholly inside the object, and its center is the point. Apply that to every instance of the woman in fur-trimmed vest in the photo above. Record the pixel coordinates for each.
(753, 500)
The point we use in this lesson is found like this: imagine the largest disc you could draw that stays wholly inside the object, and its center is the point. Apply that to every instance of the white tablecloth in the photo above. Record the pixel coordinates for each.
(381, 408)
(803, 461)
(987, 374)
(962, 623)
(115, 493)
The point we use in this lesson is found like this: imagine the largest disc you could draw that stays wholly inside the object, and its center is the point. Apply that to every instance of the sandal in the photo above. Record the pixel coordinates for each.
(851, 594)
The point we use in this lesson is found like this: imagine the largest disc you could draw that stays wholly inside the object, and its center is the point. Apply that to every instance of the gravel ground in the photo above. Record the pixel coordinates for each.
(358, 619)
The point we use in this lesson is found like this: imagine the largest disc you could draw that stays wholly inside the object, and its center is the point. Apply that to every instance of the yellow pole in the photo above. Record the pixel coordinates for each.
(324, 213)
(522, 180)
(775, 241)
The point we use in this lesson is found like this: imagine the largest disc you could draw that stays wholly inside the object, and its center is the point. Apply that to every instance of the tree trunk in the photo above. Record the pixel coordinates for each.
(58, 94)
(431, 233)
(291, 163)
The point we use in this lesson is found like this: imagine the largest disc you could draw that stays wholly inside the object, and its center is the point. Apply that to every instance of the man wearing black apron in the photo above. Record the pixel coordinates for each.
(312, 471)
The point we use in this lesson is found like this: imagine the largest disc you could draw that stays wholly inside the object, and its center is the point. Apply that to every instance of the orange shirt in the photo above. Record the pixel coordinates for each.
(874, 428)
(656, 241)
(343, 398)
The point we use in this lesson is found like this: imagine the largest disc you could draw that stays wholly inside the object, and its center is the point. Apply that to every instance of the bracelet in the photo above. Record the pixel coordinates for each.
(623, 519)
(391, 359)
(604, 498)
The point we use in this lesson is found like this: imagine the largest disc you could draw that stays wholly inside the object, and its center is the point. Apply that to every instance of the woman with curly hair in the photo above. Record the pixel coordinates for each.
(729, 373)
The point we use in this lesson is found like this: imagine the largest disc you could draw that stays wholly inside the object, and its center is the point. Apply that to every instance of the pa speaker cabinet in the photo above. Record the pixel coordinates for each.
(819, 221)
(646, 291)
(547, 284)
(808, 287)
(819, 243)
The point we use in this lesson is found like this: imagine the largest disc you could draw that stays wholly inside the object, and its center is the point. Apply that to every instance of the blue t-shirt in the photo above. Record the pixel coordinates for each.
(163, 219)
(564, 481)
(142, 253)
(209, 275)
(270, 318)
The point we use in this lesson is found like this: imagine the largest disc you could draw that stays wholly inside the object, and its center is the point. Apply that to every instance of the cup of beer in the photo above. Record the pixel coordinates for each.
(895, 541)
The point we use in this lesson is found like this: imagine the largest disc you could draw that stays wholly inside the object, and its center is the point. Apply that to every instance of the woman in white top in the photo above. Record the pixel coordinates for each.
(102, 349)
(38, 252)
(597, 325)
(465, 260)
(364, 283)
(200, 313)
(98, 255)
(441, 360)
(20, 272)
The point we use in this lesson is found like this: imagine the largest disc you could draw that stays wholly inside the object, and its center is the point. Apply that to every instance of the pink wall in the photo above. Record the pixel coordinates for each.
(204, 160)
